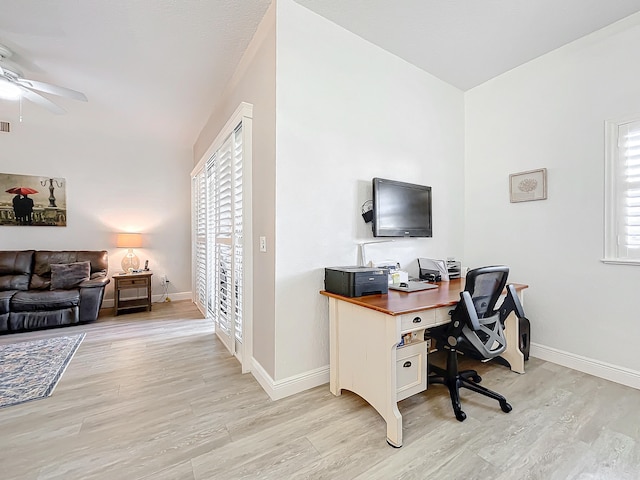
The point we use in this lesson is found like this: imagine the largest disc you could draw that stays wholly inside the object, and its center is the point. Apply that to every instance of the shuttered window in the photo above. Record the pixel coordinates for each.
(222, 249)
(199, 191)
(221, 221)
(238, 280)
(223, 217)
(211, 251)
(622, 229)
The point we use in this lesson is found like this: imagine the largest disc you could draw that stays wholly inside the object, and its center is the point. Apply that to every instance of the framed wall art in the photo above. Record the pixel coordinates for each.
(528, 186)
(28, 200)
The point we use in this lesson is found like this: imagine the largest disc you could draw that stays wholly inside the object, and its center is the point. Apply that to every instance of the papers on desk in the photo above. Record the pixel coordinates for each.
(412, 286)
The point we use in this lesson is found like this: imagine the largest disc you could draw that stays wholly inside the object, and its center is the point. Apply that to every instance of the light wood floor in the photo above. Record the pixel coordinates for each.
(156, 396)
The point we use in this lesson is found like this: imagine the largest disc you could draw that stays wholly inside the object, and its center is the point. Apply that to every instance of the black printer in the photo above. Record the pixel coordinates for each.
(356, 281)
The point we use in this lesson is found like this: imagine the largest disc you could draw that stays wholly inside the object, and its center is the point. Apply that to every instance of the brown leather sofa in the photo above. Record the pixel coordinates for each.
(42, 288)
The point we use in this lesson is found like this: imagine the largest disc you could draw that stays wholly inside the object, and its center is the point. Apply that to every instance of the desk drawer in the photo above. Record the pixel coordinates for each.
(415, 321)
(442, 315)
(411, 370)
(134, 282)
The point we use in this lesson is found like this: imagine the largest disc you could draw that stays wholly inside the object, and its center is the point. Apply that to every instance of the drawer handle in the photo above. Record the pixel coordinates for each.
(417, 320)
(407, 364)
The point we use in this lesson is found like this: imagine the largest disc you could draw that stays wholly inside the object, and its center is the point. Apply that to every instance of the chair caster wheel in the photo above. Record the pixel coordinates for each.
(506, 408)
(461, 416)
(476, 378)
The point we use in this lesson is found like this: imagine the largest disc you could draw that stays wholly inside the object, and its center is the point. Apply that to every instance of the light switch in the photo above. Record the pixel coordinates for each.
(263, 244)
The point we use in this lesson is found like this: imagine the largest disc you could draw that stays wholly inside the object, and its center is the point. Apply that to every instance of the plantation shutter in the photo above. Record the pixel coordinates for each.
(237, 231)
(199, 189)
(211, 220)
(627, 188)
(223, 230)
(221, 186)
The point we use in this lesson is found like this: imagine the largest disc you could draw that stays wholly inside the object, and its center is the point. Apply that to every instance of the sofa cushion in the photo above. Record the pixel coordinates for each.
(5, 300)
(15, 269)
(69, 275)
(34, 300)
(19, 321)
(43, 259)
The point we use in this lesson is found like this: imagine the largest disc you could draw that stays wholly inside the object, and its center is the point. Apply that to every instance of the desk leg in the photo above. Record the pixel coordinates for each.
(334, 355)
(392, 414)
(363, 360)
(512, 354)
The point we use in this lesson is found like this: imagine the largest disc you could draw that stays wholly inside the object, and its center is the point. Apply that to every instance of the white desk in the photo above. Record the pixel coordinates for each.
(365, 358)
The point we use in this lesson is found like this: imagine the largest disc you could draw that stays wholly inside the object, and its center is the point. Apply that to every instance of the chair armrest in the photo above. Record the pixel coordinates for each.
(470, 310)
(511, 304)
(95, 282)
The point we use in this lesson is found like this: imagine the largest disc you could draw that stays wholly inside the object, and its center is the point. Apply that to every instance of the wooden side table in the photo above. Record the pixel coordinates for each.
(126, 281)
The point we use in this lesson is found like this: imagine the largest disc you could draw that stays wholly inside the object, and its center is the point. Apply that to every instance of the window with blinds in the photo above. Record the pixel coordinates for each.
(622, 212)
(237, 198)
(220, 215)
(199, 191)
(221, 211)
(211, 250)
(224, 219)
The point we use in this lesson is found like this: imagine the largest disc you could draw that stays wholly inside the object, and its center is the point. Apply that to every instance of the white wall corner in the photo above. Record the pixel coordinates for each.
(289, 386)
(613, 373)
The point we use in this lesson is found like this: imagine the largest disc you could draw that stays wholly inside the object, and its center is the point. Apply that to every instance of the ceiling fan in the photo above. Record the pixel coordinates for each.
(11, 76)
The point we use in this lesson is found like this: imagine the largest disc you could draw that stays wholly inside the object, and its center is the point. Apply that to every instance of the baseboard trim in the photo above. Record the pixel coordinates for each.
(614, 373)
(277, 389)
(109, 302)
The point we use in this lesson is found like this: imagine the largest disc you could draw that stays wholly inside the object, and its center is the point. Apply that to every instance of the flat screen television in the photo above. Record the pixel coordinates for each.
(401, 209)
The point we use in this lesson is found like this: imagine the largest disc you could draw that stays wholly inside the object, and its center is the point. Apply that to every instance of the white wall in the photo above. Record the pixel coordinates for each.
(348, 111)
(550, 113)
(116, 180)
(254, 83)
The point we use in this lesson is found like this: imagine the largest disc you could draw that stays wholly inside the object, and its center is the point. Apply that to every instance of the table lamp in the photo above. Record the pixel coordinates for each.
(130, 261)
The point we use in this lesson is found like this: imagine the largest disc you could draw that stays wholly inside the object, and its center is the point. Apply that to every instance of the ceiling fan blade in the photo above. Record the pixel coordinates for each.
(42, 101)
(53, 89)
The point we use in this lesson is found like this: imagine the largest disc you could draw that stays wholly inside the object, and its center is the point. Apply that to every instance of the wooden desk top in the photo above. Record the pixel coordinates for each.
(398, 303)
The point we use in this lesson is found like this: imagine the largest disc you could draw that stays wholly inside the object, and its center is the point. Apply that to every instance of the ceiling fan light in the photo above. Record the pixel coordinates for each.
(9, 91)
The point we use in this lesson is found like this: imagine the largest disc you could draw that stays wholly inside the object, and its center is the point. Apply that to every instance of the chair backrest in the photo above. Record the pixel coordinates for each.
(486, 284)
(482, 326)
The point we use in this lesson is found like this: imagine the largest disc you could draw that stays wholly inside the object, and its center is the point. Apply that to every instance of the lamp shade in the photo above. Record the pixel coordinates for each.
(129, 240)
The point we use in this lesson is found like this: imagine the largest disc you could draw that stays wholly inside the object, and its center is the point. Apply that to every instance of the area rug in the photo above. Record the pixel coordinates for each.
(31, 370)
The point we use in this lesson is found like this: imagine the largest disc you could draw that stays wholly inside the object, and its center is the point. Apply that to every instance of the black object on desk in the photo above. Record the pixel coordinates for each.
(356, 281)
(430, 275)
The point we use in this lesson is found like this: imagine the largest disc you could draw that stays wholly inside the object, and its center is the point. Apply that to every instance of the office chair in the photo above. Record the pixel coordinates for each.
(476, 329)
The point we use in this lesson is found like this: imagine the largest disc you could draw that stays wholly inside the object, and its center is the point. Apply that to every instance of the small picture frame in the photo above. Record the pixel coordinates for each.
(528, 186)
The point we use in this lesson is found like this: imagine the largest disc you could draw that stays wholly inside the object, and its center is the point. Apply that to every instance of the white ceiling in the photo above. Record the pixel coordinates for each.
(467, 42)
(164, 63)
(156, 66)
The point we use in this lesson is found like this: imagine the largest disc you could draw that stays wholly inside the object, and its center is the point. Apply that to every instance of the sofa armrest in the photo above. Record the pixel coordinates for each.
(95, 282)
(91, 295)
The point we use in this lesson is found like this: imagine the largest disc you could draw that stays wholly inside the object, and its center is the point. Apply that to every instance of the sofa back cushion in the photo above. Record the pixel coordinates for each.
(69, 275)
(15, 269)
(41, 279)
